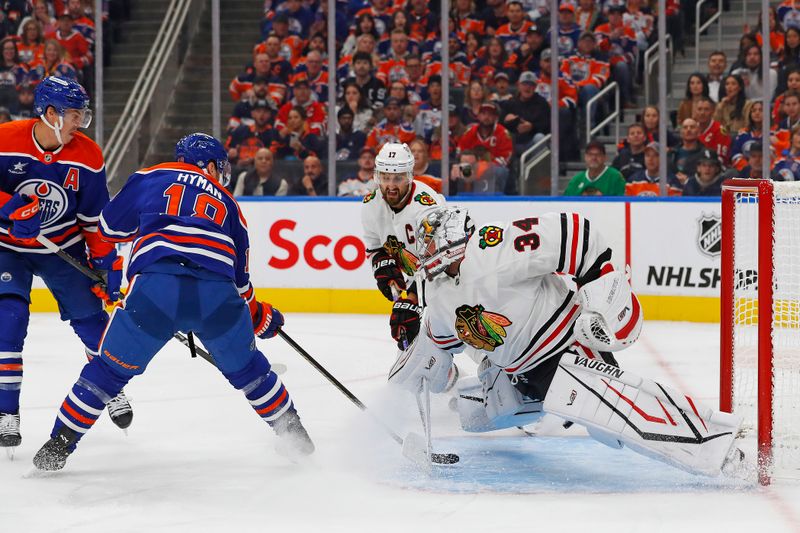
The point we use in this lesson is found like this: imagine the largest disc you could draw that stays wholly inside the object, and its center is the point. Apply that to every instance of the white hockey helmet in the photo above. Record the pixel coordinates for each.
(394, 158)
(442, 235)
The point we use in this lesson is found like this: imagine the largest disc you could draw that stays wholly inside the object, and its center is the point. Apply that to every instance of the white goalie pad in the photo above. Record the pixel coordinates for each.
(423, 359)
(491, 402)
(649, 418)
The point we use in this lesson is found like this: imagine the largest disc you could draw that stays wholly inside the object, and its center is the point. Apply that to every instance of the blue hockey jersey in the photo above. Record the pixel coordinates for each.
(70, 183)
(175, 210)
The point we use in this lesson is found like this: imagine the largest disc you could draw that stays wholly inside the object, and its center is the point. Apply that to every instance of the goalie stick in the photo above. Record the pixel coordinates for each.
(419, 451)
(96, 276)
(411, 444)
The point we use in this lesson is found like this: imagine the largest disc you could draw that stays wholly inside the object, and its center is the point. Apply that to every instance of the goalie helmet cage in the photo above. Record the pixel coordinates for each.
(760, 319)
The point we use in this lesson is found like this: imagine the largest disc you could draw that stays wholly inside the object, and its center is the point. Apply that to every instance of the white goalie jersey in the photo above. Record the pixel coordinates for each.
(516, 298)
(394, 231)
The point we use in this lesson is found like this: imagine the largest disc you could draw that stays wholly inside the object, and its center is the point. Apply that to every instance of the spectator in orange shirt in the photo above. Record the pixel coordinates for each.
(391, 128)
(422, 171)
(313, 73)
(393, 68)
(646, 181)
(31, 43)
(587, 73)
(512, 34)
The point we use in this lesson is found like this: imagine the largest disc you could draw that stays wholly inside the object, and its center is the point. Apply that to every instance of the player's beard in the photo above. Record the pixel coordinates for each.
(395, 196)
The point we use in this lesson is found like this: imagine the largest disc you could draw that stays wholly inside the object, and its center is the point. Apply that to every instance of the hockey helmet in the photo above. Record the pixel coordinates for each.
(200, 149)
(61, 94)
(394, 158)
(442, 235)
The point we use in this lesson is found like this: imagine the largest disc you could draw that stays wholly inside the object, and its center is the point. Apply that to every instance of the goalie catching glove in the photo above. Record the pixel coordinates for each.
(20, 214)
(611, 318)
(404, 321)
(110, 266)
(387, 274)
(266, 320)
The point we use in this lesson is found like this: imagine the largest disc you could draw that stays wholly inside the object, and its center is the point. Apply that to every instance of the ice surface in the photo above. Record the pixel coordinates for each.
(198, 459)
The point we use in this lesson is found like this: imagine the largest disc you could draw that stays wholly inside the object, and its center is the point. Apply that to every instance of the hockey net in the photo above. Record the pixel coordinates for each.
(760, 321)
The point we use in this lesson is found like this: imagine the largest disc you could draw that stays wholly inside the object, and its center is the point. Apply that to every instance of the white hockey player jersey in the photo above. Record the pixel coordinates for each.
(515, 298)
(394, 231)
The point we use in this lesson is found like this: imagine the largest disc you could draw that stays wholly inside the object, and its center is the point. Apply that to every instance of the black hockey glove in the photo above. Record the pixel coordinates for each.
(404, 322)
(386, 272)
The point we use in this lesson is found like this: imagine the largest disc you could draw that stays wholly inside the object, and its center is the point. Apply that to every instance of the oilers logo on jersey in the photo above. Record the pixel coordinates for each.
(53, 200)
(480, 328)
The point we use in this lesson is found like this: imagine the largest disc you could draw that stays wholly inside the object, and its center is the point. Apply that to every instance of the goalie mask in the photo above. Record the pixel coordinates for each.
(442, 236)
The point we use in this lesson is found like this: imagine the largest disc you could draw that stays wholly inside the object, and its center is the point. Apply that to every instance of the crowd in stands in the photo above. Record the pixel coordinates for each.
(43, 38)
(389, 85)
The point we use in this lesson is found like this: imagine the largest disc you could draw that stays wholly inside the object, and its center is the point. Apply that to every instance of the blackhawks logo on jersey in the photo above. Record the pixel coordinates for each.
(490, 236)
(425, 199)
(369, 197)
(480, 328)
(408, 261)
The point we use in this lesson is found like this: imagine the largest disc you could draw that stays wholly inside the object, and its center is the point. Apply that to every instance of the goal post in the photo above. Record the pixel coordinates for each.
(760, 319)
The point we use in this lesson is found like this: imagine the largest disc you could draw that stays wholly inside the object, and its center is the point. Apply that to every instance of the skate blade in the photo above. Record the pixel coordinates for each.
(10, 451)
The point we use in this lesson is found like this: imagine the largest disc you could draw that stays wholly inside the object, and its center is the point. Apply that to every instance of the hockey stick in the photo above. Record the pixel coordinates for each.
(423, 398)
(96, 276)
(438, 458)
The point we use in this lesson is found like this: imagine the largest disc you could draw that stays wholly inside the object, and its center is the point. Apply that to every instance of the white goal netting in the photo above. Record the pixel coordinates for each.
(785, 331)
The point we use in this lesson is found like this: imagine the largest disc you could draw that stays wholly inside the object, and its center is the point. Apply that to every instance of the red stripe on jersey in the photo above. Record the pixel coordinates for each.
(560, 328)
(182, 239)
(575, 230)
(626, 330)
(11, 367)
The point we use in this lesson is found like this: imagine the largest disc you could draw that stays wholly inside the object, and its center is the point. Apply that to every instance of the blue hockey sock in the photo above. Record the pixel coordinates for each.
(97, 384)
(90, 330)
(13, 328)
(262, 388)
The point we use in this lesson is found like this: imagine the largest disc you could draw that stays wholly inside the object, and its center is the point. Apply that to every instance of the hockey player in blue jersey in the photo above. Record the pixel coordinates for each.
(53, 183)
(188, 271)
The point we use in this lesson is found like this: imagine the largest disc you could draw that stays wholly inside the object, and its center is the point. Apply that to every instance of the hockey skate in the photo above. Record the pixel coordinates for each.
(120, 411)
(53, 455)
(10, 436)
(294, 441)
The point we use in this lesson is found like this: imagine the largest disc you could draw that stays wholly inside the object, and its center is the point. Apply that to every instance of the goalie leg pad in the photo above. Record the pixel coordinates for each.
(492, 402)
(646, 416)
